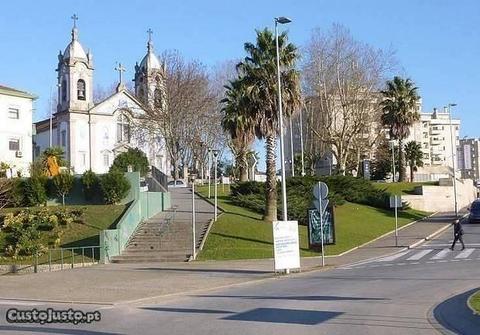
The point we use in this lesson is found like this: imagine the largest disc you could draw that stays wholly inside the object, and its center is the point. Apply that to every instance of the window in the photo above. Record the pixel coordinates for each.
(81, 89)
(64, 138)
(14, 144)
(13, 113)
(123, 128)
(106, 159)
(63, 88)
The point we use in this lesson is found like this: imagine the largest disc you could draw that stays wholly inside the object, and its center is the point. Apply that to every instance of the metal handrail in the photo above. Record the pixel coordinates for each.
(72, 255)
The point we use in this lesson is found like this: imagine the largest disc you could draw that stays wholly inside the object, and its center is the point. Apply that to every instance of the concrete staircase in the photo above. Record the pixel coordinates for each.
(167, 237)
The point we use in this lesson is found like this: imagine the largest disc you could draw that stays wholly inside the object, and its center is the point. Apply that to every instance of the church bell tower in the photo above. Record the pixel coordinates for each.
(75, 76)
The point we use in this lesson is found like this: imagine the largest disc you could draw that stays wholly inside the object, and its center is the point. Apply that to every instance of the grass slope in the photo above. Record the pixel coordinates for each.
(96, 218)
(242, 234)
(401, 188)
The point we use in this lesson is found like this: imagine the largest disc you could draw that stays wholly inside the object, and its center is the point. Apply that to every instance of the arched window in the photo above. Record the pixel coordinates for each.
(123, 128)
(63, 88)
(81, 89)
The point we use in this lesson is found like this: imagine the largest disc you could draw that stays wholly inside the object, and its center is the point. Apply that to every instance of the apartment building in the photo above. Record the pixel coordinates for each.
(16, 109)
(433, 133)
(469, 158)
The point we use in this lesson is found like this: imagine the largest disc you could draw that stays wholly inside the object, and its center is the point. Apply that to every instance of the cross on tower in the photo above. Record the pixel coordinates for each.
(149, 32)
(120, 69)
(74, 18)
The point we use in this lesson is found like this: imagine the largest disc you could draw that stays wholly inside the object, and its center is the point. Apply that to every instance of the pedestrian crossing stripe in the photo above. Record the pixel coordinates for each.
(419, 255)
(441, 254)
(465, 253)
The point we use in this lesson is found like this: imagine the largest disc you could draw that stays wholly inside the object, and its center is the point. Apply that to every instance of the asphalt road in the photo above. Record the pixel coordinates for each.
(414, 292)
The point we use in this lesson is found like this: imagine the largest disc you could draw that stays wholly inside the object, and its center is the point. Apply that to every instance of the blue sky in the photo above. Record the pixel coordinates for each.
(437, 41)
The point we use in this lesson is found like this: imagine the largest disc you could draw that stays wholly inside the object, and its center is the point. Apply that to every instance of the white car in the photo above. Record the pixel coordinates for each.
(176, 184)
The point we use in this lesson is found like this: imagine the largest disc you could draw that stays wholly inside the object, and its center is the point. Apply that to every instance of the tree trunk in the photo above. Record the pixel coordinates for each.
(401, 159)
(411, 173)
(271, 183)
(242, 167)
(63, 199)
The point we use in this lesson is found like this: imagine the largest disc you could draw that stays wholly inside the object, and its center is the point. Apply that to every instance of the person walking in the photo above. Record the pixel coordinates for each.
(457, 234)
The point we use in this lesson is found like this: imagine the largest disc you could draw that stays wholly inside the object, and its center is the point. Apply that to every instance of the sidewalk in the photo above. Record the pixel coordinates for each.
(122, 283)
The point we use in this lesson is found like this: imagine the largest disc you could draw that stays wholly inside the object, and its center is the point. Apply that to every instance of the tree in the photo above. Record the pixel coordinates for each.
(134, 157)
(6, 187)
(187, 115)
(52, 158)
(115, 186)
(342, 78)
(258, 72)
(400, 112)
(414, 156)
(238, 124)
(63, 183)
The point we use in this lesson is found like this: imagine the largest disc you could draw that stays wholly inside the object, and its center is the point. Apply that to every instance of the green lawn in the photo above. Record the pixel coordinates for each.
(95, 219)
(401, 188)
(242, 234)
(474, 301)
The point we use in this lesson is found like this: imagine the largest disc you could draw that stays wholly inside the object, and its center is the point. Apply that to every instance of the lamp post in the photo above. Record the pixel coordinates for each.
(209, 170)
(393, 160)
(281, 20)
(450, 105)
(301, 141)
(194, 251)
(215, 155)
(292, 154)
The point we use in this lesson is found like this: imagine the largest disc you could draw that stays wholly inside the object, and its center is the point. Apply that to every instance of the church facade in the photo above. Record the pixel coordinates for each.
(93, 134)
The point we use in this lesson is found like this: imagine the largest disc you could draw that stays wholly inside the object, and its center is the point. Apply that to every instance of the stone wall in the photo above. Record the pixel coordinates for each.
(441, 198)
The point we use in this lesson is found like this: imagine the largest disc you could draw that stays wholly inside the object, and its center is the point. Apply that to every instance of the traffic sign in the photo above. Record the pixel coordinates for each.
(320, 190)
(320, 205)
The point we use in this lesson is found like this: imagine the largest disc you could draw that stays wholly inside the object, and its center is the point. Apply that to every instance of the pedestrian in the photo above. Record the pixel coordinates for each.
(457, 234)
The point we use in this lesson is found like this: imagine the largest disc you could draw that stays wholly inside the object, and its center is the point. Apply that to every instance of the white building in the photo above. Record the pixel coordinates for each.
(93, 134)
(469, 158)
(16, 108)
(433, 133)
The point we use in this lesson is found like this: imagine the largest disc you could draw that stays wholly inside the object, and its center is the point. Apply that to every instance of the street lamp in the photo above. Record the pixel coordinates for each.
(215, 155)
(209, 170)
(281, 20)
(194, 251)
(393, 159)
(453, 157)
(301, 140)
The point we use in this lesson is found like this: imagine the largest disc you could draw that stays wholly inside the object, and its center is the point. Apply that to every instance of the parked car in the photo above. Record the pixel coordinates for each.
(143, 185)
(176, 184)
(474, 216)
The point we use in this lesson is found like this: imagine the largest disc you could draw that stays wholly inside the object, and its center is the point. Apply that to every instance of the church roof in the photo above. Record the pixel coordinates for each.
(74, 50)
(150, 61)
(5, 90)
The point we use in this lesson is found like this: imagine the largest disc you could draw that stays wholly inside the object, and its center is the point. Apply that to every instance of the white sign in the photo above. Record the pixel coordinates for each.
(320, 190)
(285, 245)
(395, 201)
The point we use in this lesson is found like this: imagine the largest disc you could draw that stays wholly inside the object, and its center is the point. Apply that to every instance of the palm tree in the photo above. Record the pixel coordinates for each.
(414, 156)
(259, 74)
(239, 124)
(400, 113)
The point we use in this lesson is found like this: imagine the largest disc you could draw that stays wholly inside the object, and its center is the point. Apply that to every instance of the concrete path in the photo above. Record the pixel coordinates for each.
(121, 283)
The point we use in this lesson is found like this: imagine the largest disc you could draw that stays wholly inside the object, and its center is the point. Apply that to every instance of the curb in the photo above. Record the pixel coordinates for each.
(474, 311)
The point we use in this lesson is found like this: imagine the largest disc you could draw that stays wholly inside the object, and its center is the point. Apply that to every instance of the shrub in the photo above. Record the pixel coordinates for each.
(247, 187)
(90, 184)
(34, 189)
(134, 157)
(63, 183)
(115, 186)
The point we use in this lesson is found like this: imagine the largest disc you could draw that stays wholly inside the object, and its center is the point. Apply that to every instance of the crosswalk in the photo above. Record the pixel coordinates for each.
(415, 256)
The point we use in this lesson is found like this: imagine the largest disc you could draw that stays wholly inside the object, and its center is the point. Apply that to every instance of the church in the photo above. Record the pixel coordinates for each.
(92, 134)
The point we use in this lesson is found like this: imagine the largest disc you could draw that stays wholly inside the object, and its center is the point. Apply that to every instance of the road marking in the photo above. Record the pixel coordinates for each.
(465, 253)
(441, 254)
(419, 255)
(393, 257)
